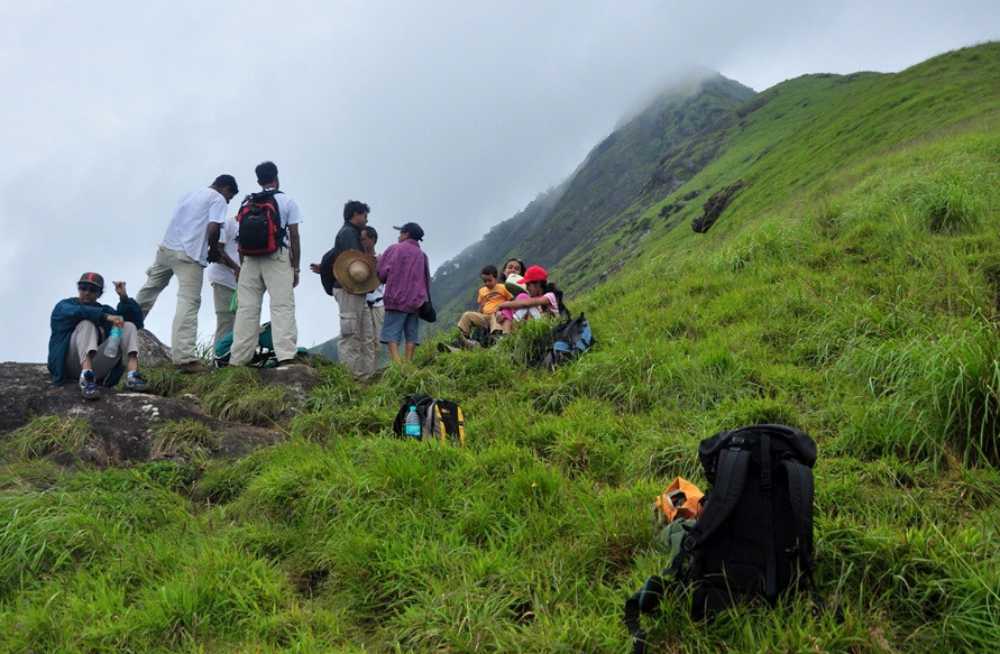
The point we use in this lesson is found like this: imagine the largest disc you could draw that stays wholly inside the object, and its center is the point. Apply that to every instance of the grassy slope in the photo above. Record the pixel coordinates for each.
(851, 289)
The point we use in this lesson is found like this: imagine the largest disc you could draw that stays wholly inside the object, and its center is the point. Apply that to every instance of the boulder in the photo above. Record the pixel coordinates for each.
(123, 423)
(152, 352)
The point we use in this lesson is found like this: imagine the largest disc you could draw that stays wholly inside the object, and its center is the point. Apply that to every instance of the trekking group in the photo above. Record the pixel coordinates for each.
(255, 252)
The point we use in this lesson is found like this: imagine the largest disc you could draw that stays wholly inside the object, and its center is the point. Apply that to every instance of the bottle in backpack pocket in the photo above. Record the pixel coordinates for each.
(113, 344)
(411, 427)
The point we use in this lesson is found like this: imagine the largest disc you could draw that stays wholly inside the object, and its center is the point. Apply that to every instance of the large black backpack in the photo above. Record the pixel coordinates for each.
(754, 537)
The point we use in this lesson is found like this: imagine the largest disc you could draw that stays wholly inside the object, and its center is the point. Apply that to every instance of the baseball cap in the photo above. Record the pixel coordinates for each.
(415, 231)
(535, 274)
(92, 278)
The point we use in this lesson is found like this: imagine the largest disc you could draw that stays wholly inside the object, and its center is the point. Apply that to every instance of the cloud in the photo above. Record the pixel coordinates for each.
(451, 114)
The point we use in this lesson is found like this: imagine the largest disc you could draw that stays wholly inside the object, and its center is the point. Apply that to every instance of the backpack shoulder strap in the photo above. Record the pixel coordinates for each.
(800, 492)
(730, 478)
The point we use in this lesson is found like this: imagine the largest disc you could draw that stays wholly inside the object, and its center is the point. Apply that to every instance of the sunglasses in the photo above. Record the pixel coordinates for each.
(88, 288)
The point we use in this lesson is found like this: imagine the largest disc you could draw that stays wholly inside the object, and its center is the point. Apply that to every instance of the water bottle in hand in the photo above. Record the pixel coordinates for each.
(412, 424)
(113, 344)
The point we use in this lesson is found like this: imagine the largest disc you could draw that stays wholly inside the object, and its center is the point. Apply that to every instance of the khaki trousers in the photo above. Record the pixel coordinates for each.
(83, 341)
(481, 320)
(224, 318)
(184, 333)
(372, 319)
(272, 273)
(351, 349)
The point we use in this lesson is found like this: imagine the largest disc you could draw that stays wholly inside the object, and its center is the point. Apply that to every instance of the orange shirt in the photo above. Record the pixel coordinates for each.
(489, 300)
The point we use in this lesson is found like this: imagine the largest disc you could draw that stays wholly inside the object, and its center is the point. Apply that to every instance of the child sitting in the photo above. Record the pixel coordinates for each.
(541, 300)
(513, 276)
(490, 296)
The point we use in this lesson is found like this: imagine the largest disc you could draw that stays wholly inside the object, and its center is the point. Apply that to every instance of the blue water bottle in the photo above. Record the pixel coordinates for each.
(112, 345)
(412, 424)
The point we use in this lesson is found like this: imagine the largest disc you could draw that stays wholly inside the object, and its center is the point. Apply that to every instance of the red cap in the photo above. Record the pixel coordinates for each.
(92, 278)
(535, 274)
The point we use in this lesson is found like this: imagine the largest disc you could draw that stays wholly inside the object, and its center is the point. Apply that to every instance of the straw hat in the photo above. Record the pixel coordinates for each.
(356, 271)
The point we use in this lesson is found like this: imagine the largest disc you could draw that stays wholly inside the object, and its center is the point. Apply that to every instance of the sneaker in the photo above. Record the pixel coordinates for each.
(191, 367)
(135, 382)
(88, 385)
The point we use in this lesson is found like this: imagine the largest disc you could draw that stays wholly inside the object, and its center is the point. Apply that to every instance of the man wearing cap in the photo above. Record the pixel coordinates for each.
(406, 272)
(184, 252)
(351, 306)
(277, 274)
(80, 325)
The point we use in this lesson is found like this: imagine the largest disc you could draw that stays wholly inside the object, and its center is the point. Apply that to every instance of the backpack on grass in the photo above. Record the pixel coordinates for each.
(264, 356)
(260, 230)
(754, 537)
(441, 420)
(570, 339)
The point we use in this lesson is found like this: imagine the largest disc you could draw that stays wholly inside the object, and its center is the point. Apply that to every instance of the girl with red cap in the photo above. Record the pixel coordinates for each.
(541, 300)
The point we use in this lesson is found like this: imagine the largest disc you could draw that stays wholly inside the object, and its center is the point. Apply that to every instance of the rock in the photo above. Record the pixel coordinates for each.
(297, 379)
(123, 423)
(715, 206)
(152, 352)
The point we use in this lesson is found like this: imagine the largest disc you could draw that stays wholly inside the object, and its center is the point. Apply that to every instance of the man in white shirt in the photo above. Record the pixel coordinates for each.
(222, 276)
(184, 252)
(277, 273)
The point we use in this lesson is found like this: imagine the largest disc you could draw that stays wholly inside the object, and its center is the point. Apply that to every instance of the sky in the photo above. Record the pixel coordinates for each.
(451, 114)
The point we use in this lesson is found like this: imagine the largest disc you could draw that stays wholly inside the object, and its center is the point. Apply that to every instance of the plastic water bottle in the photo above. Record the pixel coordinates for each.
(412, 424)
(112, 345)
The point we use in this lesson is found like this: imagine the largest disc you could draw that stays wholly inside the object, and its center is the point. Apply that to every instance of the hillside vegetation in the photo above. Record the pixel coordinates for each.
(852, 288)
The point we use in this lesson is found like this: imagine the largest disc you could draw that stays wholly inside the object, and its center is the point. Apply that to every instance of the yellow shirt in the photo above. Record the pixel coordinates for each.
(489, 300)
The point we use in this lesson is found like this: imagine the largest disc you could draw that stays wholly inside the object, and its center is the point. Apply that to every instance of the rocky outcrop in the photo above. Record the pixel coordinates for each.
(715, 206)
(124, 424)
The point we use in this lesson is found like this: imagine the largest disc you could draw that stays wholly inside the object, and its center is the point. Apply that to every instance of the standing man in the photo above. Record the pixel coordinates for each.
(373, 315)
(351, 306)
(184, 252)
(270, 264)
(406, 273)
(222, 275)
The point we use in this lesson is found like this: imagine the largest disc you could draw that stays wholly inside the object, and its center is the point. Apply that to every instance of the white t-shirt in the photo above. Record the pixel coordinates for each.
(186, 232)
(220, 273)
(374, 299)
(288, 211)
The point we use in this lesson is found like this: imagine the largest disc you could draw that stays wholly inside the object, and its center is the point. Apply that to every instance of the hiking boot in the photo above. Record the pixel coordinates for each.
(135, 382)
(285, 363)
(88, 385)
(191, 367)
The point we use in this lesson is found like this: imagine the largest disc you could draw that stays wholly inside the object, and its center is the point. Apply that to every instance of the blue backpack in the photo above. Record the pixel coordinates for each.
(570, 339)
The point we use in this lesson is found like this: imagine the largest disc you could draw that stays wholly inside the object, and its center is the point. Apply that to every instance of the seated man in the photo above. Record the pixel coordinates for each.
(490, 296)
(79, 327)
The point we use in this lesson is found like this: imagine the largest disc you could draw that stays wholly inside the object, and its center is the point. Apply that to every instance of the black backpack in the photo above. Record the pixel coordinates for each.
(439, 419)
(755, 535)
(570, 339)
(260, 230)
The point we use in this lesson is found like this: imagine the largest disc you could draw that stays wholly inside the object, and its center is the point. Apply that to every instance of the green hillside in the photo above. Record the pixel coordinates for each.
(851, 288)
